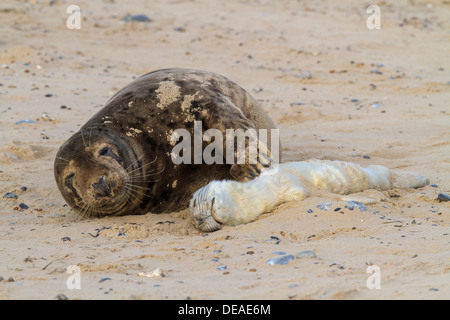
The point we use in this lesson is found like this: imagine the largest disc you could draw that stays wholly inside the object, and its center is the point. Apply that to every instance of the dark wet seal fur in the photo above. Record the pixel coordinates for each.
(119, 162)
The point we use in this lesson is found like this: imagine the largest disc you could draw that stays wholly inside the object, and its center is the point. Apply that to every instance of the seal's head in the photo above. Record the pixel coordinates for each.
(94, 172)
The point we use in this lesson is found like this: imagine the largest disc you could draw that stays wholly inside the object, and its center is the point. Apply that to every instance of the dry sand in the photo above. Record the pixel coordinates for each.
(305, 62)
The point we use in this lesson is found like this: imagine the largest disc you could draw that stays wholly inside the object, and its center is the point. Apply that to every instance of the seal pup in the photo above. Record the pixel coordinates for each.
(232, 203)
(120, 161)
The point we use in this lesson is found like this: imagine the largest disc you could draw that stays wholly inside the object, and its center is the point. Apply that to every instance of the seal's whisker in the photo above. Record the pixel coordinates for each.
(140, 167)
(60, 158)
(126, 169)
(88, 210)
(140, 187)
(147, 172)
(137, 161)
(83, 209)
(139, 177)
(145, 181)
(137, 174)
(130, 193)
(82, 137)
(131, 188)
(90, 135)
(131, 184)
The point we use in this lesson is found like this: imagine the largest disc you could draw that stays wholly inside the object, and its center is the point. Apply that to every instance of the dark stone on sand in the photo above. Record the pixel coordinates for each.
(443, 197)
(136, 18)
(10, 195)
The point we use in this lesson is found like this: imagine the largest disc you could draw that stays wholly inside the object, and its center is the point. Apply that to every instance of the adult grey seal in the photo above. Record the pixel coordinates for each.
(120, 161)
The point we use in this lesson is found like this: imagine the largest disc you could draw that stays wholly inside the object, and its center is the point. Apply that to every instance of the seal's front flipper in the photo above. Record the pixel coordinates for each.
(247, 171)
(244, 147)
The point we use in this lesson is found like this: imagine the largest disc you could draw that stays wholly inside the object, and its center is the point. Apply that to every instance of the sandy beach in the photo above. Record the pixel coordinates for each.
(336, 89)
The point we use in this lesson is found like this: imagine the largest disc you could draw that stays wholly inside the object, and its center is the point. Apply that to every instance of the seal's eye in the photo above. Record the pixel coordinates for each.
(69, 184)
(109, 152)
(106, 151)
(69, 180)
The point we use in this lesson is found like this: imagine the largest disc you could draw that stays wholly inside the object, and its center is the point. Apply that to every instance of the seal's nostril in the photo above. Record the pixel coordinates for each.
(102, 187)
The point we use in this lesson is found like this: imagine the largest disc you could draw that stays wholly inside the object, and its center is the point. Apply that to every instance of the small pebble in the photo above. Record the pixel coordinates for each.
(309, 211)
(47, 117)
(334, 264)
(280, 253)
(23, 188)
(306, 254)
(221, 267)
(355, 204)
(443, 197)
(304, 75)
(25, 121)
(366, 157)
(66, 239)
(23, 206)
(375, 105)
(48, 95)
(104, 279)
(61, 297)
(155, 273)
(274, 238)
(376, 71)
(10, 195)
(434, 185)
(324, 206)
(136, 18)
(337, 209)
(283, 260)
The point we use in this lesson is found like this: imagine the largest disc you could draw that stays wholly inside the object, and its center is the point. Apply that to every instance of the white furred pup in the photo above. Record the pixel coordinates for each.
(232, 203)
